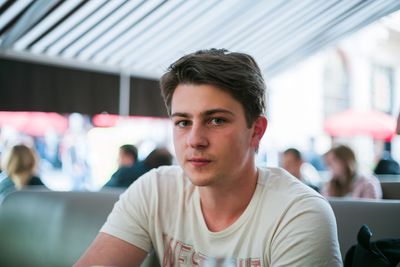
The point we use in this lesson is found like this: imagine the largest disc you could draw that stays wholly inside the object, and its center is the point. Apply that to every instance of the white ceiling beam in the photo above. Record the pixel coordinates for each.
(45, 24)
(70, 23)
(162, 36)
(13, 11)
(131, 23)
(173, 49)
(102, 29)
(150, 35)
(83, 27)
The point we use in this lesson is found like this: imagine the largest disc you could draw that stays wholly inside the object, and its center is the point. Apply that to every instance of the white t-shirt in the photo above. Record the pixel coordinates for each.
(285, 224)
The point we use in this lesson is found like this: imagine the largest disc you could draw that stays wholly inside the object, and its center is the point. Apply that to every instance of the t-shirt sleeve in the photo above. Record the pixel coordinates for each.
(129, 219)
(307, 236)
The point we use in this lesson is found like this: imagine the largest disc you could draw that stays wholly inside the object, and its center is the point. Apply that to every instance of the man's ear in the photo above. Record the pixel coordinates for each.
(260, 125)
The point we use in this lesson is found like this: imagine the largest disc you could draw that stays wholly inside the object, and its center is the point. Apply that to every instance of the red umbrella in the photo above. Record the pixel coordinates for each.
(34, 123)
(372, 123)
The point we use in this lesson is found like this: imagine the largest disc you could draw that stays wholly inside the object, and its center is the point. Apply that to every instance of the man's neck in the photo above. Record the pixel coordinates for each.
(223, 205)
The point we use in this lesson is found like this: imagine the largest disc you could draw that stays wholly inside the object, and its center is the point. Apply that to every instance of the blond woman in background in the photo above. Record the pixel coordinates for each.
(18, 167)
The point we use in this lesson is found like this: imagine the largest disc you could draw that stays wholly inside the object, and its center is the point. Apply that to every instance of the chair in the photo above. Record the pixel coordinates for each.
(382, 216)
(44, 228)
(390, 190)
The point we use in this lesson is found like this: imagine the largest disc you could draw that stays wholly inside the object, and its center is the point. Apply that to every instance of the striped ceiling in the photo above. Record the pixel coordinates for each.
(144, 37)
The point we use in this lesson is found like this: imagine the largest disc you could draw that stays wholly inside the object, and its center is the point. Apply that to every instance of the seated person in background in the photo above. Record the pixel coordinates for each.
(19, 168)
(127, 156)
(345, 180)
(126, 175)
(217, 203)
(293, 162)
(158, 157)
(387, 165)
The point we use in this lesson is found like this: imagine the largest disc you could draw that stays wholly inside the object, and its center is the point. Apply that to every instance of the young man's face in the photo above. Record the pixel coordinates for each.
(212, 141)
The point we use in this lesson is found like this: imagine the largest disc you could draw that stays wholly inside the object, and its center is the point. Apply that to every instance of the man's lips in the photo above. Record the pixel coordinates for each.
(198, 162)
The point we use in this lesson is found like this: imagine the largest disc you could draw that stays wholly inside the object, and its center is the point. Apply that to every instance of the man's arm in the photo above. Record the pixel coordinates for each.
(108, 250)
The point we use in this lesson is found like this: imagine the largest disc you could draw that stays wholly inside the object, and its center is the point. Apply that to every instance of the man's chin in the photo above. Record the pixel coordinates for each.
(200, 180)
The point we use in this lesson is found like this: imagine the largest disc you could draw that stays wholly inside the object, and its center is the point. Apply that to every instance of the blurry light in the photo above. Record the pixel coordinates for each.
(45, 24)
(105, 120)
(66, 25)
(13, 11)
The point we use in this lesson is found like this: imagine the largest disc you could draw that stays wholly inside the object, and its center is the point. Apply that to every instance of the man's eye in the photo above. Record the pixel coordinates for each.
(217, 121)
(182, 123)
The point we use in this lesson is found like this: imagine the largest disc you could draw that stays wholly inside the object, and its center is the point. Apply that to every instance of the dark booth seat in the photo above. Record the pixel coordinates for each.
(382, 216)
(44, 228)
(55, 228)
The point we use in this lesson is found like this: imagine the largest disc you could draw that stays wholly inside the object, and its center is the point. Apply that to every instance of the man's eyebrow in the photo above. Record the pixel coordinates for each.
(218, 110)
(180, 114)
(204, 113)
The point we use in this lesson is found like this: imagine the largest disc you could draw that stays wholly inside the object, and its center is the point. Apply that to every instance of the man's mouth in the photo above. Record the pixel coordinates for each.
(199, 162)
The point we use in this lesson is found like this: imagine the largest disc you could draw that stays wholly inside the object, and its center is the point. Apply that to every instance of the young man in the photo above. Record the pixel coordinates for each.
(217, 203)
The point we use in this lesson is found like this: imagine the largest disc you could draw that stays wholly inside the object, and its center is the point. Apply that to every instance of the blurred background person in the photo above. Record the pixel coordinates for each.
(127, 155)
(19, 167)
(75, 152)
(292, 161)
(345, 180)
(127, 175)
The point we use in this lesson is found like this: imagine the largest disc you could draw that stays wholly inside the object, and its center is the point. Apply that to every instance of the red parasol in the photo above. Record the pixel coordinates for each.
(372, 123)
(34, 123)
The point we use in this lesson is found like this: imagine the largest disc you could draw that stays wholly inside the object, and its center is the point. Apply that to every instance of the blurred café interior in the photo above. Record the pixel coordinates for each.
(79, 79)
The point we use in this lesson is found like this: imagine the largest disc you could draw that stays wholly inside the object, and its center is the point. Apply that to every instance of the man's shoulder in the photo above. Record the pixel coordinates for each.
(281, 187)
(286, 199)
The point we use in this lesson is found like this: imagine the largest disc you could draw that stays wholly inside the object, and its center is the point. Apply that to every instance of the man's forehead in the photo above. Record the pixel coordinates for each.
(189, 98)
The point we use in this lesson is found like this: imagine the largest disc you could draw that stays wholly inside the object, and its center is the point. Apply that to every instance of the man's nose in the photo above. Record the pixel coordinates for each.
(197, 137)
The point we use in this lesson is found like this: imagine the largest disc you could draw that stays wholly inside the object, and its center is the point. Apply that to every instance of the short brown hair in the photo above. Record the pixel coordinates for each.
(295, 152)
(236, 73)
